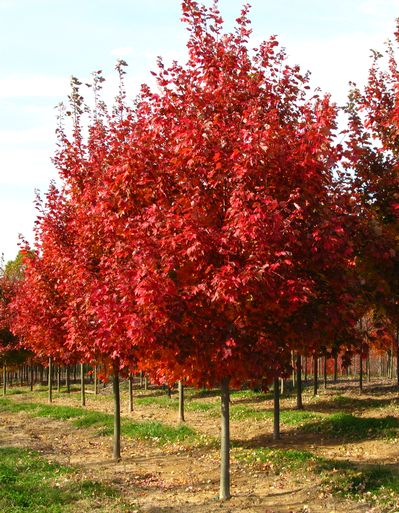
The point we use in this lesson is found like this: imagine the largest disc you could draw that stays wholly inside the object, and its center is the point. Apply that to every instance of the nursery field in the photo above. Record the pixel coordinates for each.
(340, 454)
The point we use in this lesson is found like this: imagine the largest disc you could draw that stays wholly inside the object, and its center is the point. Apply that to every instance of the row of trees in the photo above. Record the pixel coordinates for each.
(215, 226)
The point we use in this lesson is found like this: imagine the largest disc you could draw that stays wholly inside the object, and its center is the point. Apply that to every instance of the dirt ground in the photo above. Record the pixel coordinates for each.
(177, 479)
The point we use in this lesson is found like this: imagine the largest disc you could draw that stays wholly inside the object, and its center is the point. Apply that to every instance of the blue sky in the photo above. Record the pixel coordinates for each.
(44, 42)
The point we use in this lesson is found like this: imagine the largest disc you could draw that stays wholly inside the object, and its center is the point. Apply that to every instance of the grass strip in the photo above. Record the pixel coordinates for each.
(80, 417)
(31, 484)
(349, 426)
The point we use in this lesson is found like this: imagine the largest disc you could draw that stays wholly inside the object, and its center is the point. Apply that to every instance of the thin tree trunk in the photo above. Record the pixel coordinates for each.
(315, 379)
(4, 378)
(335, 368)
(130, 405)
(325, 371)
(50, 380)
(293, 368)
(145, 382)
(276, 409)
(299, 403)
(306, 370)
(368, 368)
(68, 379)
(361, 368)
(96, 381)
(58, 378)
(31, 378)
(181, 401)
(116, 453)
(82, 385)
(397, 356)
(225, 441)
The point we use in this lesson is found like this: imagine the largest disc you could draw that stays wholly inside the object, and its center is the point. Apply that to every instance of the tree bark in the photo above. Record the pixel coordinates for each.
(293, 368)
(315, 379)
(299, 403)
(325, 371)
(95, 381)
(276, 409)
(130, 405)
(397, 356)
(50, 380)
(68, 380)
(31, 378)
(116, 453)
(225, 441)
(181, 402)
(361, 368)
(368, 368)
(4, 379)
(82, 385)
(306, 370)
(58, 378)
(335, 368)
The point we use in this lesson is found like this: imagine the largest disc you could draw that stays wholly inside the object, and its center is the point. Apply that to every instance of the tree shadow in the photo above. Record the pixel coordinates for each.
(333, 430)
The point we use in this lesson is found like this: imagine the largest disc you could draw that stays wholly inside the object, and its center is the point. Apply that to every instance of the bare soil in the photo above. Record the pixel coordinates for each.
(181, 479)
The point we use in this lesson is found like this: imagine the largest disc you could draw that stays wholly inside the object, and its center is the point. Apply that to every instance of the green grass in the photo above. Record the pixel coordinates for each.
(250, 394)
(376, 484)
(278, 459)
(349, 426)
(80, 417)
(298, 417)
(31, 484)
(171, 402)
(161, 400)
(202, 406)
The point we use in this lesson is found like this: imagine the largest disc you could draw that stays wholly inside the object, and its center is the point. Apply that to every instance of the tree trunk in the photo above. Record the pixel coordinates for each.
(68, 380)
(130, 405)
(116, 453)
(225, 441)
(397, 356)
(276, 409)
(4, 379)
(50, 380)
(315, 379)
(82, 385)
(299, 403)
(181, 401)
(361, 368)
(306, 370)
(96, 381)
(368, 368)
(58, 378)
(325, 371)
(31, 378)
(293, 368)
(145, 382)
(335, 368)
